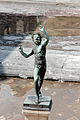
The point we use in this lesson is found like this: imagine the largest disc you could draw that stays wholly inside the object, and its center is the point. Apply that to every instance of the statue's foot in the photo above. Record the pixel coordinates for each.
(37, 101)
(40, 95)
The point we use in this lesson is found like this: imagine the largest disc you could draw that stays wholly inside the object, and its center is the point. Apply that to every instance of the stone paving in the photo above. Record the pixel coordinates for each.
(65, 96)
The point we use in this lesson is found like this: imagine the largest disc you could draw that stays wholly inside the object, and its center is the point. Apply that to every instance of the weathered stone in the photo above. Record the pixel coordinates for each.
(16, 23)
(73, 118)
(71, 69)
(44, 105)
(61, 65)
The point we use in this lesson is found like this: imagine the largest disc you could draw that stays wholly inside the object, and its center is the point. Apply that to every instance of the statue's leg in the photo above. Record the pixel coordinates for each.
(42, 74)
(36, 79)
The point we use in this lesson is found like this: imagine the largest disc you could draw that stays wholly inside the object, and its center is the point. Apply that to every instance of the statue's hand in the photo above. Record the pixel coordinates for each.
(20, 48)
(41, 28)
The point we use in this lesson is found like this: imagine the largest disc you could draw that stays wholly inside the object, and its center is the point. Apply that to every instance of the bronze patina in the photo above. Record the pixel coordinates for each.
(39, 51)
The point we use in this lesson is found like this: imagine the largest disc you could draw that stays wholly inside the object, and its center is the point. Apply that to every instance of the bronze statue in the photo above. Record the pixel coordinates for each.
(39, 51)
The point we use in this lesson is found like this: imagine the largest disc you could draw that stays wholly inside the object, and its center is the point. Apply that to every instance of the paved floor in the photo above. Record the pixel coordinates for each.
(65, 96)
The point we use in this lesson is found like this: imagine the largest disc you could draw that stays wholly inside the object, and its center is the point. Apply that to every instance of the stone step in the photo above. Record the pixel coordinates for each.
(59, 66)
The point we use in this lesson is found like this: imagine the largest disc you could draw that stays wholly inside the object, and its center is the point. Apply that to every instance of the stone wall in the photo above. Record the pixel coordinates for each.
(17, 23)
(62, 56)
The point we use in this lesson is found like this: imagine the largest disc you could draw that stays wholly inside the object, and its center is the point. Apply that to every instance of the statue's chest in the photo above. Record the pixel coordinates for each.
(39, 50)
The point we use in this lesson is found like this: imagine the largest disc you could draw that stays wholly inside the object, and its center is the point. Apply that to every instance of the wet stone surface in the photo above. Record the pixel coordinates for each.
(65, 96)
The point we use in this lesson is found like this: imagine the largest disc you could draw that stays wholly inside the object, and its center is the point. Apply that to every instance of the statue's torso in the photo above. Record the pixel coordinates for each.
(39, 53)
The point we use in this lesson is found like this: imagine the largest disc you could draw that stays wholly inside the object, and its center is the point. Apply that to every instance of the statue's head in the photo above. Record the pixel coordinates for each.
(36, 37)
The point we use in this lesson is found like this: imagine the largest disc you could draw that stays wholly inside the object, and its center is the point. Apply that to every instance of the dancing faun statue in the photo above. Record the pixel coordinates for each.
(39, 51)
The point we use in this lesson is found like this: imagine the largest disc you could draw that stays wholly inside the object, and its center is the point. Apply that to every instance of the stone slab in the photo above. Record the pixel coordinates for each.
(44, 105)
(36, 115)
(61, 64)
(41, 7)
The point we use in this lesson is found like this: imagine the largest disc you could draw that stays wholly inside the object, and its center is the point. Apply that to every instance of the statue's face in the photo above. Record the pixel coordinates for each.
(37, 40)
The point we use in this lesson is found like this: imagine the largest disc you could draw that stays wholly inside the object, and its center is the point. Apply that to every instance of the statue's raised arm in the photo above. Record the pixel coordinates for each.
(46, 40)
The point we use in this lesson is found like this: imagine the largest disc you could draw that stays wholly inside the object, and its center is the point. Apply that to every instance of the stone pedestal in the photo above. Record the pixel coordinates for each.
(33, 111)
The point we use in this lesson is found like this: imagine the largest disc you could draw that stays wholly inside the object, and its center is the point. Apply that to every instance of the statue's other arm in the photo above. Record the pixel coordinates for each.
(46, 40)
(26, 55)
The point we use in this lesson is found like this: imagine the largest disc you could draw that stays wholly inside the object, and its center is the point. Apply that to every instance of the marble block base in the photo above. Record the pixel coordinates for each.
(33, 111)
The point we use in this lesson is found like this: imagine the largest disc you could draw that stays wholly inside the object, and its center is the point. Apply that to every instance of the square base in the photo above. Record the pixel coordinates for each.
(44, 104)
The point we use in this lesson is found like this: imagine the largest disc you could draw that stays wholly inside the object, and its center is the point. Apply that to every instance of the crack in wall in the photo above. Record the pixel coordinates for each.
(61, 80)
